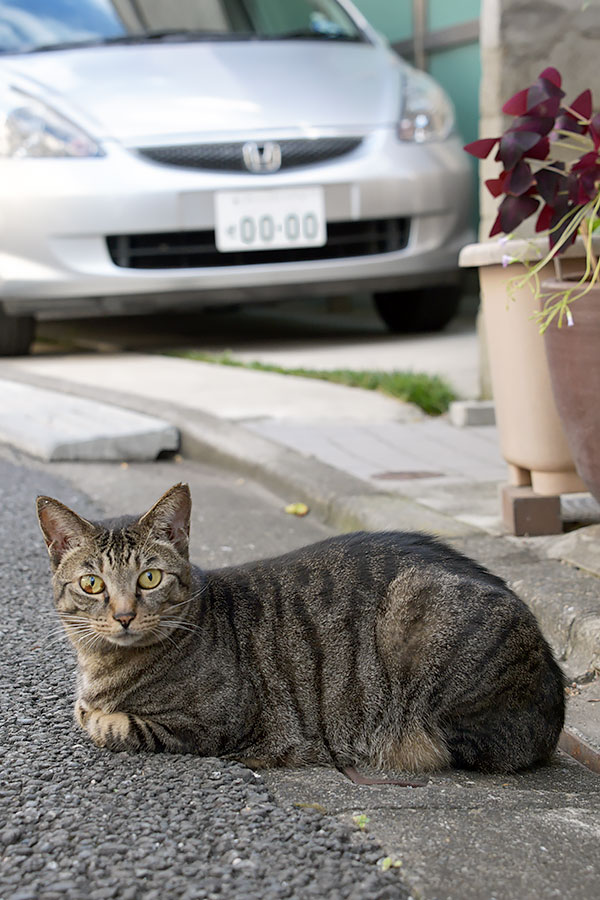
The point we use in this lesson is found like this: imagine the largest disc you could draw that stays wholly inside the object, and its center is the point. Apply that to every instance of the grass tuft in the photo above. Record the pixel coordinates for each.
(430, 392)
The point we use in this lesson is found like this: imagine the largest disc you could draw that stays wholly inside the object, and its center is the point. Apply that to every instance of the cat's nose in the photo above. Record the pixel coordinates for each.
(125, 618)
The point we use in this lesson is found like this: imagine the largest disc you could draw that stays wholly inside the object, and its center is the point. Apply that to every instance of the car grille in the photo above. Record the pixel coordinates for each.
(229, 157)
(197, 249)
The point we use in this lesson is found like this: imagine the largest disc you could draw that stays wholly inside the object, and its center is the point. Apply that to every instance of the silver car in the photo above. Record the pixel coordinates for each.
(167, 155)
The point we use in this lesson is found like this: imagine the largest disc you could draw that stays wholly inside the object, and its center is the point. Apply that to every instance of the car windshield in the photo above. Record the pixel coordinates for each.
(40, 25)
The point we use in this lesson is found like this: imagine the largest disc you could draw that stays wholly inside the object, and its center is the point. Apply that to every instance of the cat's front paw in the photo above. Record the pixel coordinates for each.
(112, 730)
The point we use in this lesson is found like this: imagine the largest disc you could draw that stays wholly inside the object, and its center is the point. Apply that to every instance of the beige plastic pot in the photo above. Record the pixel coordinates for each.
(532, 439)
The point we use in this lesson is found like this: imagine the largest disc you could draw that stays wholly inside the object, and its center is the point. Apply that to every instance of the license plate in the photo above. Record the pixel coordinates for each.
(270, 219)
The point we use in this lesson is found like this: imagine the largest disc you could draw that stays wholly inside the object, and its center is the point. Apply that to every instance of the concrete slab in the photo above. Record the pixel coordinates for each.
(56, 426)
(468, 836)
(581, 548)
(227, 392)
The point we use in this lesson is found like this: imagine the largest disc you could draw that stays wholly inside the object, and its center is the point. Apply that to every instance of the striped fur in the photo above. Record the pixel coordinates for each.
(389, 650)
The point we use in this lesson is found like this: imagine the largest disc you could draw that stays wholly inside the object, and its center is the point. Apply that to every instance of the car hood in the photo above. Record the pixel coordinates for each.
(144, 94)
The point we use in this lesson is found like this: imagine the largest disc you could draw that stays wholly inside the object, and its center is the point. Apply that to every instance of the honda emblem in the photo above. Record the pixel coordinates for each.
(262, 157)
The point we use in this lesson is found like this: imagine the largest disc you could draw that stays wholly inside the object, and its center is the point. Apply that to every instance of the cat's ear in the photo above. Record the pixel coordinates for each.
(62, 528)
(170, 517)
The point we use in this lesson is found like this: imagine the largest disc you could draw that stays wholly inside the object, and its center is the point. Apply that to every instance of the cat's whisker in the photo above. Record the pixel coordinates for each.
(163, 637)
(91, 640)
(78, 634)
(180, 623)
(181, 603)
(59, 634)
(46, 645)
(59, 629)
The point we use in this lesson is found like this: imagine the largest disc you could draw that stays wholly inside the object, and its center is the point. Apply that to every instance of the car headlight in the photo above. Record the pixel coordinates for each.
(29, 129)
(428, 114)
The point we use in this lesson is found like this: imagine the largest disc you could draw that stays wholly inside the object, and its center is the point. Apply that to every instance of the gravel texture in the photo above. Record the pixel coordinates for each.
(77, 822)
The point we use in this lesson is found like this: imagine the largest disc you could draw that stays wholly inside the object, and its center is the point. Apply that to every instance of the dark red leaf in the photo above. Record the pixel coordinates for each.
(517, 105)
(544, 218)
(570, 191)
(538, 124)
(548, 106)
(481, 148)
(553, 75)
(541, 92)
(566, 122)
(583, 104)
(496, 227)
(558, 226)
(585, 162)
(539, 150)
(514, 145)
(550, 86)
(587, 189)
(514, 210)
(548, 184)
(496, 185)
(519, 179)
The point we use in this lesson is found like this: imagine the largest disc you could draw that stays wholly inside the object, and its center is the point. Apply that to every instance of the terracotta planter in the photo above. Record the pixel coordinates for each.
(574, 361)
(532, 438)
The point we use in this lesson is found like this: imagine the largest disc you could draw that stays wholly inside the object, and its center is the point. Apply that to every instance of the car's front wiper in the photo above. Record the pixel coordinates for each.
(181, 34)
(171, 34)
(308, 34)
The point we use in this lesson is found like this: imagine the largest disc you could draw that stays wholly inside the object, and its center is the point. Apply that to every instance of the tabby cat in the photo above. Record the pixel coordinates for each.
(388, 650)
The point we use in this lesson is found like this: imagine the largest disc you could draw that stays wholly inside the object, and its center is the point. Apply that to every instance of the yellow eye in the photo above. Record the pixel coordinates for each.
(91, 584)
(150, 579)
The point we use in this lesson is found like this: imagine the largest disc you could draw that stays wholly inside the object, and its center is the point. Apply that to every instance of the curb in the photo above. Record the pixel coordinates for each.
(347, 503)
(573, 742)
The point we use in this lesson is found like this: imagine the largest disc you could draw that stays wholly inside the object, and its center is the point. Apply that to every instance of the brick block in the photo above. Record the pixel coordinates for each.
(526, 513)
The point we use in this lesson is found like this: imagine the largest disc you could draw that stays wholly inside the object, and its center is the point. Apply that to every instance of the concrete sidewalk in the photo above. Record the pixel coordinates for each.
(360, 460)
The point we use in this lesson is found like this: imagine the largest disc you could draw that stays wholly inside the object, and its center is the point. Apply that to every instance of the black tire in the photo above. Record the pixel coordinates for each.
(16, 334)
(428, 309)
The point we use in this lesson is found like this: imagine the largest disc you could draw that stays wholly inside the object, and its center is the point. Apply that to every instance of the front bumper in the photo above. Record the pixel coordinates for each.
(56, 216)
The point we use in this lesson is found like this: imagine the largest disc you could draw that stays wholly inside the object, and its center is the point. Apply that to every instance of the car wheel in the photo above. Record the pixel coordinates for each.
(16, 334)
(428, 309)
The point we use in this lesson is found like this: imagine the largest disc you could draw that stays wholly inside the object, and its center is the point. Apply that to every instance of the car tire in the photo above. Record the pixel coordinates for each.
(16, 334)
(427, 309)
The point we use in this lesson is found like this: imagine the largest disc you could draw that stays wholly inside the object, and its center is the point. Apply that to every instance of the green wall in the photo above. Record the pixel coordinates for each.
(393, 18)
(444, 13)
(459, 71)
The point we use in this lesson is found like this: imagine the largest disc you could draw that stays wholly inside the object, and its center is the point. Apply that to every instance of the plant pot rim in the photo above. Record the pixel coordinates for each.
(492, 253)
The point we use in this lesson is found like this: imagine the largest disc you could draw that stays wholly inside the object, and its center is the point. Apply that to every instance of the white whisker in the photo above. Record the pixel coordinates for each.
(175, 605)
(47, 644)
(179, 626)
(163, 637)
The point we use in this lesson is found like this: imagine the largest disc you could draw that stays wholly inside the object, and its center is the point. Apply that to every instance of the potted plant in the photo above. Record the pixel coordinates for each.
(550, 169)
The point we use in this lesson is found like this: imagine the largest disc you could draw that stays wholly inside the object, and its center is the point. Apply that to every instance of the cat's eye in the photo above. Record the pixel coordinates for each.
(150, 579)
(91, 584)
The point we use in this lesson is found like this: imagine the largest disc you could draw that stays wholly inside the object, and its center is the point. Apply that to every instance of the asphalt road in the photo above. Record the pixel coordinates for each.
(76, 822)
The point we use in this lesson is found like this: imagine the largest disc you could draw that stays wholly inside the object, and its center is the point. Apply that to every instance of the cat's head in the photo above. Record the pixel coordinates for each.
(125, 582)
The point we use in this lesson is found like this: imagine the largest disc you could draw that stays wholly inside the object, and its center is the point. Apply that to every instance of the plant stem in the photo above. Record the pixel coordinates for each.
(587, 237)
